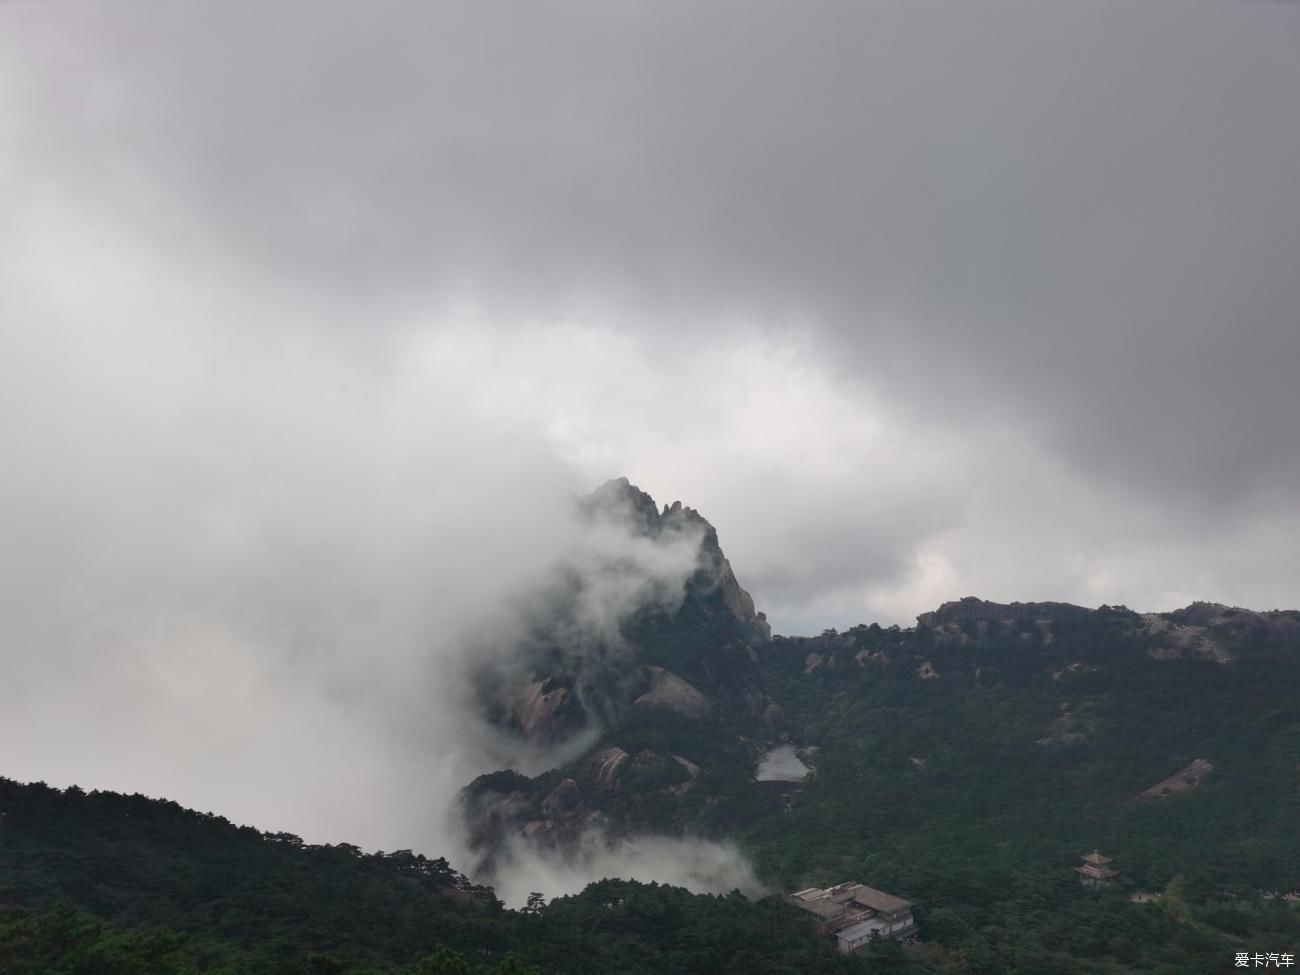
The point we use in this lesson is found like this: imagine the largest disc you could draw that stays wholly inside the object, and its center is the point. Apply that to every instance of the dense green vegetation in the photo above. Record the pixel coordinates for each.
(612, 926)
(967, 765)
(105, 884)
(974, 792)
(133, 860)
(964, 765)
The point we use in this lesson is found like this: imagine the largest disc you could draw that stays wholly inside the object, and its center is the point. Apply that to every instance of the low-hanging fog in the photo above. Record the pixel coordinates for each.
(310, 337)
(255, 577)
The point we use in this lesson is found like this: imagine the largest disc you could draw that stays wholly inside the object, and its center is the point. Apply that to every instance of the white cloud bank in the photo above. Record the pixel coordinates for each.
(703, 866)
(247, 568)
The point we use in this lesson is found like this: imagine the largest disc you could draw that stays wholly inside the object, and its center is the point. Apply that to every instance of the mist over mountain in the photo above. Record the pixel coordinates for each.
(700, 690)
(955, 342)
(649, 726)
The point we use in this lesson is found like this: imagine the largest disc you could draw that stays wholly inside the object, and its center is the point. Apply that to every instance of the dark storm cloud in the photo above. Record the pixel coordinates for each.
(1083, 215)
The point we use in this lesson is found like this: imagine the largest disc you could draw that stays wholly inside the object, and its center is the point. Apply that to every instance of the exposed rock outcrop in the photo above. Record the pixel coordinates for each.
(564, 798)
(669, 691)
(1174, 641)
(545, 709)
(606, 765)
(692, 770)
(773, 717)
(1211, 630)
(685, 655)
(714, 572)
(567, 676)
(1184, 780)
(1066, 729)
(1073, 668)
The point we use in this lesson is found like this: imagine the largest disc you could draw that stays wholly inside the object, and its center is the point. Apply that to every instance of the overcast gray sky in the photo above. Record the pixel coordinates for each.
(312, 315)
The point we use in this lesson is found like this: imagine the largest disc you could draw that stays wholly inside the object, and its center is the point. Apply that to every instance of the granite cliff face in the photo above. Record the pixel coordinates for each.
(1212, 631)
(620, 498)
(675, 692)
(570, 675)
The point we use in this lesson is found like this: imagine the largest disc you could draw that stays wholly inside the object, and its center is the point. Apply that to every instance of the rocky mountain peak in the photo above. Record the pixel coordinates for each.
(620, 498)
(565, 678)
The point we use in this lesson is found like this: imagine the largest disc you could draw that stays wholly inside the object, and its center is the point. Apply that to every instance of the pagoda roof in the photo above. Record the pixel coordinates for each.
(1095, 858)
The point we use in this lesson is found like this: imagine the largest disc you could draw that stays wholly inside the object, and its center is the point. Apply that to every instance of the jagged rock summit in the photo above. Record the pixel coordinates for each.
(569, 676)
(675, 694)
(619, 496)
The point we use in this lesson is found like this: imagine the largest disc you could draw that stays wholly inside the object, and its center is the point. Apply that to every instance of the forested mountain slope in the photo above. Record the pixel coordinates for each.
(106, 884)
(965, 763)
(968, 762)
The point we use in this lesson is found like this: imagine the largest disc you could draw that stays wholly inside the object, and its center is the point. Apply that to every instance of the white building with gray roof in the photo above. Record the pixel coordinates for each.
(855, 913)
